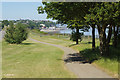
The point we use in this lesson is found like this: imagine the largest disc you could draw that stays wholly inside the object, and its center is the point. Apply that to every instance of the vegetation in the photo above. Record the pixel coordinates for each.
(73, 20)
(108, 64)
(33, 60)
(31, 24)
(15, 34)
(105, 15)
(5, 23)
(34, 24)
(75, 36)
(0, 25)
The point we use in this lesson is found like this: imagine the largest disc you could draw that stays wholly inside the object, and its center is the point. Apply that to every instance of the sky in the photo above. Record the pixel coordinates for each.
(22, 10)
(15, 10)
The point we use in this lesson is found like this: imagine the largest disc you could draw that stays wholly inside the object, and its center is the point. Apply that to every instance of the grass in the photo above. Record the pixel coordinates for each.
(55, 39)
(109, 64)
(33, 60)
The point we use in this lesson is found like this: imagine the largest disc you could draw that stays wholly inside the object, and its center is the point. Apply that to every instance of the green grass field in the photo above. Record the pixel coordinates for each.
(110, 64)
(33, 60)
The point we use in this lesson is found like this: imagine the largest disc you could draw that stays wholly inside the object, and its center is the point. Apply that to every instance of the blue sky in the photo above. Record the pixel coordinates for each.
(22, 10)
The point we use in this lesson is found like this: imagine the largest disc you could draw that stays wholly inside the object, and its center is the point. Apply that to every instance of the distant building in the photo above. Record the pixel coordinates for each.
(43, 25)
(52, 28)
(15, 23)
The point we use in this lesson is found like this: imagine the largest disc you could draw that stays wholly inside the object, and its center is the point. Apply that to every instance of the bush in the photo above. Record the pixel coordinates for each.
(15, 34)
(74, 36)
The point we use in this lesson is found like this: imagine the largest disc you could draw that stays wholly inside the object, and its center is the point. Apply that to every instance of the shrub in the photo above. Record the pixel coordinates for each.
(15, 34)
(74, 36)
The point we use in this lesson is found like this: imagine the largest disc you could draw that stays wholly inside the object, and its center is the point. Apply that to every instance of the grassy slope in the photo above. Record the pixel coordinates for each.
(107, 64)
(55, 39)
(33, 60)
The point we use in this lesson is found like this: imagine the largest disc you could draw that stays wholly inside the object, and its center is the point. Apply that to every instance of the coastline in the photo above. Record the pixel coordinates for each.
(50, 31)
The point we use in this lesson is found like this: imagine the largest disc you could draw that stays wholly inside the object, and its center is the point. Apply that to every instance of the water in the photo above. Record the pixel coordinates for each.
(65, 31)
(69, 31)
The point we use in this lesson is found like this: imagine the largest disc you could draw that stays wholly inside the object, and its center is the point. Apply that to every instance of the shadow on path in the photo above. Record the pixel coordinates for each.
(75, 58)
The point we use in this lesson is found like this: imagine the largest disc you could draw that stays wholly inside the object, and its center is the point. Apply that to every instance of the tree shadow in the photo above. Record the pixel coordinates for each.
(75, 57)
(72, 45)
(80, 43)
(89, 56)
(92, 55)
(114, 53)
(87, 43)
(27, 43)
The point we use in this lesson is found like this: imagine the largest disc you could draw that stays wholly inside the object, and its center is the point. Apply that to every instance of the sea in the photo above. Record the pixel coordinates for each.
(69, 31)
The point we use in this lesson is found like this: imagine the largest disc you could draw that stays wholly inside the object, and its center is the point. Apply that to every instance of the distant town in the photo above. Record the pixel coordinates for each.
(42, 25)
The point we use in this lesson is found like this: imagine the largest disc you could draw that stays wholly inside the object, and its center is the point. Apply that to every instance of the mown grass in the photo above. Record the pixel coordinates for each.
(108, 64)
(55, 39)
(33, 60)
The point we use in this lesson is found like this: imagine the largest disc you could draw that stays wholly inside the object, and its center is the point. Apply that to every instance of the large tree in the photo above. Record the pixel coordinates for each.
(67, 13)
(104, 15)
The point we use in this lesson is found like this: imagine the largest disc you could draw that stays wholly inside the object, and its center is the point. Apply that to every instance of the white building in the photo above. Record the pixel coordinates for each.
(52, 28)
(43, 25)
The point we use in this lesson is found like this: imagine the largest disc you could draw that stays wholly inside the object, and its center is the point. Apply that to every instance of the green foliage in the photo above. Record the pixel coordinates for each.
(36, 25)
(104, 13)
(66, 13)
(15, 34)
(76, 36)
(5, 22)
(0, 25)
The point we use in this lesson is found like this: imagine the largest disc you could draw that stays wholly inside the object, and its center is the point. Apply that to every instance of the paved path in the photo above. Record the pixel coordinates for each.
(74, 63)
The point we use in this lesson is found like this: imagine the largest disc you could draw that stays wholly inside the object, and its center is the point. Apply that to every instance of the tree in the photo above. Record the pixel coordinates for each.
(116, 25)
(5, 23)
(76, 36)
(103, 15)
(66, 13)
(15, 34)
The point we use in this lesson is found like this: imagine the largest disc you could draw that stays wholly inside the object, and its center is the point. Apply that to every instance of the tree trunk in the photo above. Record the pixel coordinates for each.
(93, 37)
(77, 31)
(108, 40)
(102, 37)
(109, 34)
(115, 36)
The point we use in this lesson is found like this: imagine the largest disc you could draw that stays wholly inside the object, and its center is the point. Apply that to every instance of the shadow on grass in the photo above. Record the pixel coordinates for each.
(89, 55)
(87, 43)
(72, 45)
(80, 43)
(27, 43)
